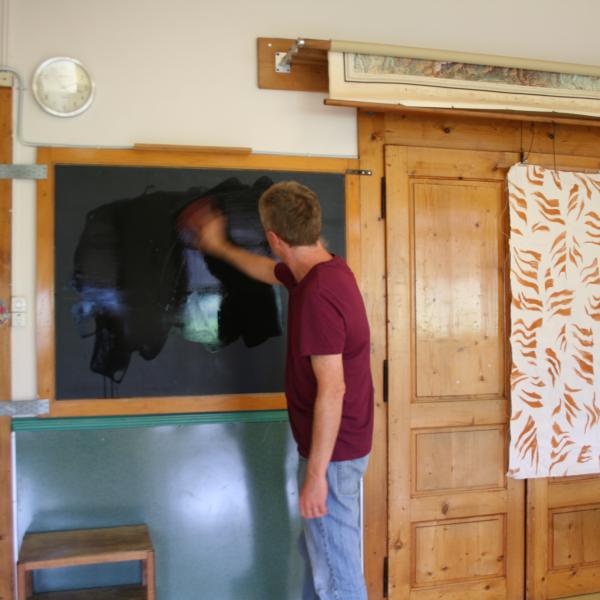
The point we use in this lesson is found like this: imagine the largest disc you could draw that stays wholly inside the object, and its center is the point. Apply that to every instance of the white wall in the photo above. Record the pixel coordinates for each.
(184, 72)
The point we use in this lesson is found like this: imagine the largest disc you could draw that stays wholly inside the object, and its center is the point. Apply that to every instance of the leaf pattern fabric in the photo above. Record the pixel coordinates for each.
(555, 322)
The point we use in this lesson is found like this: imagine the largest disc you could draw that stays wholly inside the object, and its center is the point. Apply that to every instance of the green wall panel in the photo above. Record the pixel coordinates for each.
(220, 499)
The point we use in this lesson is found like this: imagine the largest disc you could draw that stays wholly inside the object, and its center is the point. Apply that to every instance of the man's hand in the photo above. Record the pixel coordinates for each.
(313, 497)
(206, 225)
(202, 226)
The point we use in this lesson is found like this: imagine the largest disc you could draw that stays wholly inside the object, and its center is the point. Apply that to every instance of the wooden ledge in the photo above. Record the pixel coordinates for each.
(530, 117)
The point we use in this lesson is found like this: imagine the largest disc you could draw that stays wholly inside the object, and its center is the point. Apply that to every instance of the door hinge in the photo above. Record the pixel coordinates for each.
(386, 578)
(385, 380)
(383, 199)
(366, 172)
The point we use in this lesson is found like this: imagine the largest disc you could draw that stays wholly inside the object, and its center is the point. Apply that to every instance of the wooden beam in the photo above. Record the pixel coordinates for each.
(532, 117)
(5, 239)
(309, 69)
(6, 532)
(6, 524)
(199, 149)
(373, 287)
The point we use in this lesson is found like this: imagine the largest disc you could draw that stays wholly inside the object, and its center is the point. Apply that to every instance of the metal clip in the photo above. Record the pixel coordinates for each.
(8, 171)
(283, 60)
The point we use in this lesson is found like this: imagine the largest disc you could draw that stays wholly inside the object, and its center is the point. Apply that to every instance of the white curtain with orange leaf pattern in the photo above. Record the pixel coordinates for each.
(555, 322)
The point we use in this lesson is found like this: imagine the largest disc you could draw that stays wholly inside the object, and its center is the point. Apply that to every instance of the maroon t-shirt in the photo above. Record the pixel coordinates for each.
(326, 315)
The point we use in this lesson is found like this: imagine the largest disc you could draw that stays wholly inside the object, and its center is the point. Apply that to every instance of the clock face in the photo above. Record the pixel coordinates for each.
(63, 87)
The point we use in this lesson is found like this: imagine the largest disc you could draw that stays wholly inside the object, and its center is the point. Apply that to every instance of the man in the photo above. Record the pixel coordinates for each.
(327, 381)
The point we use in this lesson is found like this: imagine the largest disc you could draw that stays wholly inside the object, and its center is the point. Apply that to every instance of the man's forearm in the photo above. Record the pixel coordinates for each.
(256, 266)
(327, 418)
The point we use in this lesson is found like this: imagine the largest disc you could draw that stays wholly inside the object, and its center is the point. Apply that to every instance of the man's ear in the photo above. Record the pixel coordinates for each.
(273, 239)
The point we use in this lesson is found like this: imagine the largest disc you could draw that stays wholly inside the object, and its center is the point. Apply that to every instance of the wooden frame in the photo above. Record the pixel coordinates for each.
(158, 158)
(371, 277)
(6, 514)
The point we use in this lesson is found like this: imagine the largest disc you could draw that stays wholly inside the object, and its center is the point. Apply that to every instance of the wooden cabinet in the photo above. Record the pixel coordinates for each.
(457, 528)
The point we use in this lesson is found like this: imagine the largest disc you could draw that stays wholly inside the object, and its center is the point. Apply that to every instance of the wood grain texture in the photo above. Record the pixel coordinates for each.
(125, 592)
(7, 579)
(372, 284)
(448, 131)
(57, 549)
(5, 238)
(472, 114)
(458, 550)
(309, 70)
(6, 522)
(574, 582)
(457, 316)
(400, 273)
(456, 534)
(84, 546)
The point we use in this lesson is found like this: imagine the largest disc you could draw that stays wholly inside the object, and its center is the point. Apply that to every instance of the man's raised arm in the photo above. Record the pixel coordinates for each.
(208, 228)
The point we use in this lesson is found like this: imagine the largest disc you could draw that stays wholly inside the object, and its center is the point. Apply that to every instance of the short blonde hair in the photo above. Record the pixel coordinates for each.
(292, 211)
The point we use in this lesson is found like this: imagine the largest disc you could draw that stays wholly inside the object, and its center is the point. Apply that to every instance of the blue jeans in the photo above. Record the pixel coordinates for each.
(331, 544)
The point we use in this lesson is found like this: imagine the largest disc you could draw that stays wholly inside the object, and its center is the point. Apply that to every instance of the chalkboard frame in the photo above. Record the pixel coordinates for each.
(177, 157)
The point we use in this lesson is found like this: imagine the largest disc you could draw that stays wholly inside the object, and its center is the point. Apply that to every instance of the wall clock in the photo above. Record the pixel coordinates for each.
(63, 86)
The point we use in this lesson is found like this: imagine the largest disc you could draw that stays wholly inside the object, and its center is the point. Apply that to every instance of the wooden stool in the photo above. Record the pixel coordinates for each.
(85, 547)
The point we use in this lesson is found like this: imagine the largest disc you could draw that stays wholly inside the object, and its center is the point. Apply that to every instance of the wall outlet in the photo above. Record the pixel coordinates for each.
(18, 304)
(18, 319)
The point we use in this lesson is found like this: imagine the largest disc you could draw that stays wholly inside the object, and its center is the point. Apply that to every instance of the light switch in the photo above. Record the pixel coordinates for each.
(18, 304)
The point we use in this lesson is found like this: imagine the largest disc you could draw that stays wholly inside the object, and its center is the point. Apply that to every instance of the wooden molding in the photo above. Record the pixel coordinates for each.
(530, 117)
(6, 514)
(200, 149)
(309, 70)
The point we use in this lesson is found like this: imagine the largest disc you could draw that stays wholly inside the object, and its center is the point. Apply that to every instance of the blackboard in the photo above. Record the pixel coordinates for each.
(181, 368)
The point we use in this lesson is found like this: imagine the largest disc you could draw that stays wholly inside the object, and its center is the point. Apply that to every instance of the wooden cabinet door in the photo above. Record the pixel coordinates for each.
(456, 522)
(563, 513)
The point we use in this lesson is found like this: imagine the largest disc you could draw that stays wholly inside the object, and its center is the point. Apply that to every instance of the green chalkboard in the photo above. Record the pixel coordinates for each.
(220, 500)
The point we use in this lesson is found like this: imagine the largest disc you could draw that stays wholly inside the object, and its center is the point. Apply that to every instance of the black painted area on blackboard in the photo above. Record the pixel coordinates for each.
(140, 277)
(182, 368)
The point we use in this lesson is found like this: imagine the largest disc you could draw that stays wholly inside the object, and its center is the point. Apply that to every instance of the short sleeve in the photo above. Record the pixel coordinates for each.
(323, 330)
(283, 274)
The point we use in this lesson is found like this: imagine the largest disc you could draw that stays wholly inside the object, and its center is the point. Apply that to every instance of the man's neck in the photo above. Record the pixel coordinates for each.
(301, 259)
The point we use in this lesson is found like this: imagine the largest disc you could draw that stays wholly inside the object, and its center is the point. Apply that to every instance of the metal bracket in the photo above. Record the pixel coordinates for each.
(23, 171)
(280, 68)
(358, 172)
(283, 60)
(24, 408)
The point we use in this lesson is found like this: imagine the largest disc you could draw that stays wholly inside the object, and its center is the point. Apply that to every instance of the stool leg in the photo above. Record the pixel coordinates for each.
(24, 582)
(148, 576)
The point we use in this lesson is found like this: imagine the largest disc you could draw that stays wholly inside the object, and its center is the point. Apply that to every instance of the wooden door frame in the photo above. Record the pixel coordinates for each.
(6, 519)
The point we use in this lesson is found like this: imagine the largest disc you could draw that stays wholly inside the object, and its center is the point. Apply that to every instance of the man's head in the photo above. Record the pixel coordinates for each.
(291, 211)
